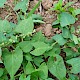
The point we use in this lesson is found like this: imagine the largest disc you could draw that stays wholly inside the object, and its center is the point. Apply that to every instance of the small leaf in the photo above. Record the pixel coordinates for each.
(66, 19)
(75, 62)
(38, 37)
(40, 48)
(23, 5)
(66, 33)
(75, 39)
(25, 26)
(43, 67)
(29, 68)
(12, 61)
(59, 38)
(76, 12)
(2, 2)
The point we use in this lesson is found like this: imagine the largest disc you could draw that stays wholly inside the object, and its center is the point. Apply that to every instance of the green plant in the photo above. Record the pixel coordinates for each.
(31, 56)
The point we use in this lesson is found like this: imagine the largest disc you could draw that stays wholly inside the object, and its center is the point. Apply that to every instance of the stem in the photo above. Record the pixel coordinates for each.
(54, 44)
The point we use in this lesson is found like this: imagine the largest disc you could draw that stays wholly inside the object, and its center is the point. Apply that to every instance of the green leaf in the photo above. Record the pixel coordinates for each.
(23, 77)
(2, 38)
(25, 46)
(75, 62)
(38, 21)
(59, 38)
(40, 48)
(66, 19)
(33, 10)
(1, 71)
(2, 2)
(43, 67)
(76, 12)
(49, 79)
(75, 39)
(38, 61)
(66, 33)
(70, 53)
(23, 5)
(5, 26)
(38, 37)
(55, 22)
(68, 4)
(29, 68)
(28, 57)
(57, 67)
(25, 26)
(12, 61)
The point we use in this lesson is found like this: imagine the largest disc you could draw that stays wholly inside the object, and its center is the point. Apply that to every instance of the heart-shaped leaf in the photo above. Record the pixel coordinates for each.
(12, 61)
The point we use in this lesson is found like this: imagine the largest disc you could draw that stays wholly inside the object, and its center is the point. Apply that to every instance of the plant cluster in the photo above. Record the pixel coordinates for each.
(28, 55)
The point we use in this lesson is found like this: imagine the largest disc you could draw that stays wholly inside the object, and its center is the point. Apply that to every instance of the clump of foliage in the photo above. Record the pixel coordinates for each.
(27, 55)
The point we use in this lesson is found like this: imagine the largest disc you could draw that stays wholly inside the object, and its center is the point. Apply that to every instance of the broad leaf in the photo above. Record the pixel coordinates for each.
(75, 62)
(23, 5)
(66, 19)
(25, 46)
(2, 2)
(57, 67)
(12, 61)
(59, 38)
(25, 26)
(40, 48)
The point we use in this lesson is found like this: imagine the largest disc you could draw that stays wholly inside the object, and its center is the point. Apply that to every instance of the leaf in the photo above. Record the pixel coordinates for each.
(68, 4)
(1, 71)
(66, 33)
(75, 62)
(2, 38)
(38, 37)
(29, 68)
(38, 61)
(59, 38)
(12, 61)
(38, 21)
(5, 26)
(23, 77)
(25, 46)
(25, 26)
(23, 5)
(43, 67)
(75, 39)
(33, 10)
(55, 22)
(57, 67)
(66, 19)
(40, 48)
(76, 12)
(2, 2)
(70, 53)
